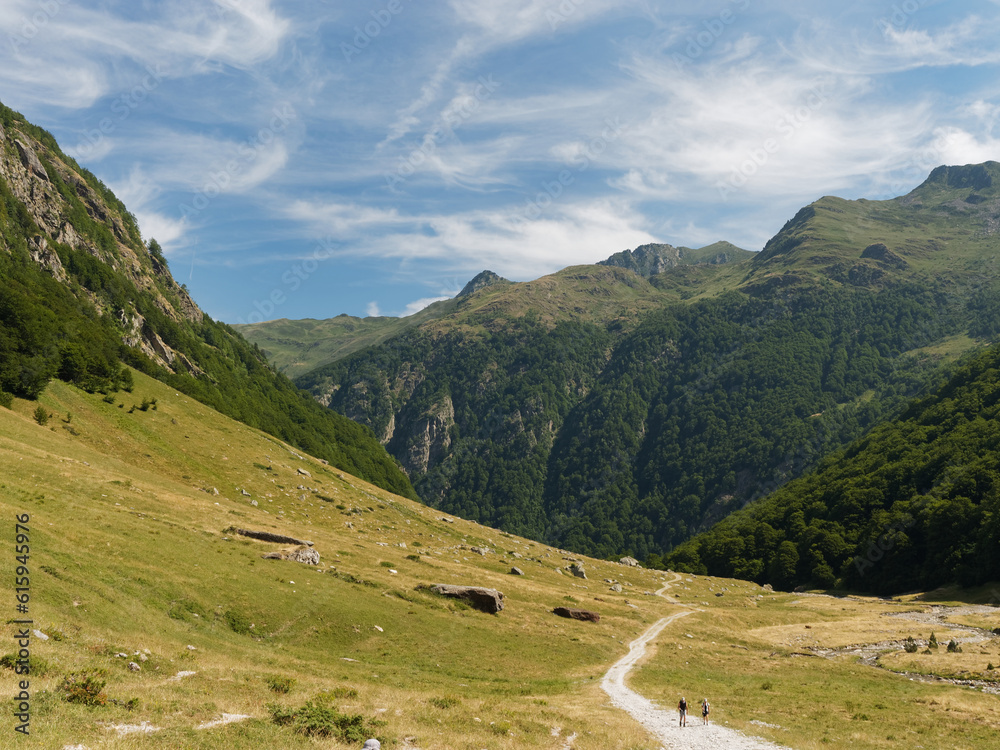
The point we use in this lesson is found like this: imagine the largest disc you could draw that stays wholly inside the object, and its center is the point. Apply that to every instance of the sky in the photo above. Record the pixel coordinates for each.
(303, 159)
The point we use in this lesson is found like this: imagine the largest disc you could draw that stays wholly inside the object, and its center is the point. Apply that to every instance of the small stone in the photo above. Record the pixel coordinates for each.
(617, 588)
(133, 666)
(379, 629)
(40, 635)
(304, 473)
(191, 648)
(121, 656)
(516, 572)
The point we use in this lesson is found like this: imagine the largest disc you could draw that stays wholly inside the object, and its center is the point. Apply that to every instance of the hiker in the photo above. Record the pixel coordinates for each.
(682, 709)
(705, 708)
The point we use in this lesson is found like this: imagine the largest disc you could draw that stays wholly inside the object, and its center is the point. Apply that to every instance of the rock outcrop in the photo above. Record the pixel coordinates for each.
(483, 599)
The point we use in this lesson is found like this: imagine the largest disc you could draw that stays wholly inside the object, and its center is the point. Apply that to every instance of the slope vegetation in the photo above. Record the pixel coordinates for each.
(81, 294)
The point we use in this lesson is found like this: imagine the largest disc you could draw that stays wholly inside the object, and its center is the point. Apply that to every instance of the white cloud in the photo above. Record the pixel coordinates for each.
(418, 305)
(372, 310)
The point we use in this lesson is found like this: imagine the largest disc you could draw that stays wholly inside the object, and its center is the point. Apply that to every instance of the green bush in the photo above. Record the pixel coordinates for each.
(910, 646)
(280, 684)
(319, 719)
(37, 666)
(953, 647)
(41, 415)
(85, 687)
(6, 399)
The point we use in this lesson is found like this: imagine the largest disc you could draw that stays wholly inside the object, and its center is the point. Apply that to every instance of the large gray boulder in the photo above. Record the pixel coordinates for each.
(301, 554)
(483, 599)
(577, 570)
(630, 562)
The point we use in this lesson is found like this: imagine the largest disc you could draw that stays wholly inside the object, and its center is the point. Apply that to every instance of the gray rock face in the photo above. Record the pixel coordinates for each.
(267, 536)
(3, 135)
(302, 555)
(645, 260)
(577, 614)
(481, 281)
(483, 599)
(30, 159)
(630, 562)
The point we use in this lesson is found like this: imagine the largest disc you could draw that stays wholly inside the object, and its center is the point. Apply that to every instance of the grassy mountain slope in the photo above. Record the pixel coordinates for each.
(80, 294)
(609, 413)
(131, 554)
(914, 504)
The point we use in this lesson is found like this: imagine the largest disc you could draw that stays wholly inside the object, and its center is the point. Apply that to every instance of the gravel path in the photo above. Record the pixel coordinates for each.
(663, 723)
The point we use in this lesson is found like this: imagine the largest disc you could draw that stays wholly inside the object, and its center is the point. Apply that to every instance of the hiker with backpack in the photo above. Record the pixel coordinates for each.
(705, 708)
(682, 709)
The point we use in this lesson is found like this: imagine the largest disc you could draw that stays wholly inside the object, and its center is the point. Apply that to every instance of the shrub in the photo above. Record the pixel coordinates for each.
(280, 684)
(446, 702)
(84, 687)
(932, 643)
(386, 564)
(6, 399)
(953, 647)
(41, 415)
(36, 665)
(911, 645)
(319, 719)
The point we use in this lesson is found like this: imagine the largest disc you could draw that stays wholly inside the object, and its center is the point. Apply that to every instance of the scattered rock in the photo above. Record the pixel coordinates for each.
(516, 572)
(768, 587)
(372, 745)
(143, 728)
(181, 675)
(617, 588)
(191, 648)
(379, 629)
(267, 536)
(300, 554)
(447, 520)
(577, 570)
(121, 656)
(719, 593)
(483, 599)
(226, 719)
(133, 666)
(577, 614)
(479, 550)
(254, 503)
(244, 493)
(215, 490)
(630, 562)
(304, 473)
(40, 635)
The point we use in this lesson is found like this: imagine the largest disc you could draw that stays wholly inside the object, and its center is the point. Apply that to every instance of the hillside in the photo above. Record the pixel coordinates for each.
(133, 558)
(914, 504)
(612, 413)
(81, 295)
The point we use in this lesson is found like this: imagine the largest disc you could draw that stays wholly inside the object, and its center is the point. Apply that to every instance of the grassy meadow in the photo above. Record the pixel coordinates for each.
(132, 553)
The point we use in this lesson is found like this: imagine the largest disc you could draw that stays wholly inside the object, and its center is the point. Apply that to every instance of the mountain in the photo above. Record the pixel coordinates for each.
(913, 504)
(82, 298)
(607, 412)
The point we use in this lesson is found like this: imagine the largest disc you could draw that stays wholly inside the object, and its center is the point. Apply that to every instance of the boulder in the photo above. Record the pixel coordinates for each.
(372, 745)
(304, 473)
(516, 572)
(577, 614)
(301, 554)
(267, 536)
(483, 599)
(577, 570)
(617, 588)
(630, 562)
(768, 587)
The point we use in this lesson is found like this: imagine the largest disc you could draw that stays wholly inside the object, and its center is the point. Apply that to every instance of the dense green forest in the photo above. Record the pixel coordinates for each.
(912, 505)
(73, 327)
(609, 422)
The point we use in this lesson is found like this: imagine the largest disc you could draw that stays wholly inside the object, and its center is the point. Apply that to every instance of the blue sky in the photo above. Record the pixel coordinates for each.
(299, 158)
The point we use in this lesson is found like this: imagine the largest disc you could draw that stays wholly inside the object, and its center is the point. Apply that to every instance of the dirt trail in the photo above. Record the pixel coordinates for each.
(662, 723)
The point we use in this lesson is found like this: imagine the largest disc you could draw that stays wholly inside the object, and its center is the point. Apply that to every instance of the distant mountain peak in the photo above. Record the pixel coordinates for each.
(969, 176)
(654, 258)
(481, 281)
(645, 260)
